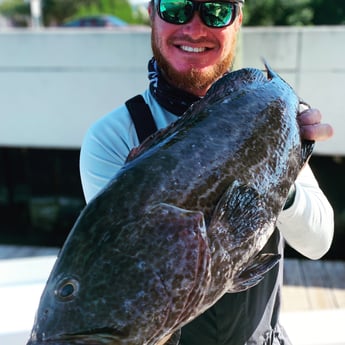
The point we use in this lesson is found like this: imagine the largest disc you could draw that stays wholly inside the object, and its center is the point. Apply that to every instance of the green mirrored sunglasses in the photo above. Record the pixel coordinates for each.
(214, 14)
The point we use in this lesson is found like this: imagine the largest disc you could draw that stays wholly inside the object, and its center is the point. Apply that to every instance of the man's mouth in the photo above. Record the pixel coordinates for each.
(189, 49)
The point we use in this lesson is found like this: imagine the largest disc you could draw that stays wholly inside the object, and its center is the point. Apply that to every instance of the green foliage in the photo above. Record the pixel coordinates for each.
(120, 8)
(16, 10)
(56, 11)
(329, 12)
(256, 12)
(278, 12)
(294, 12)
(14, 7)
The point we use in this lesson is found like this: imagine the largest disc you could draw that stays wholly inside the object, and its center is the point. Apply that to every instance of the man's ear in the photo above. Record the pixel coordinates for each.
(150, 10)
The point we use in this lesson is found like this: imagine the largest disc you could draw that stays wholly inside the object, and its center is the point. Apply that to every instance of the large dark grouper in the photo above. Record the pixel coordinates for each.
(182, 223)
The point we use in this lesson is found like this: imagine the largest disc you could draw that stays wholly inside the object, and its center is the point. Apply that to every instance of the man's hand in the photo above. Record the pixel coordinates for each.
(311, 127)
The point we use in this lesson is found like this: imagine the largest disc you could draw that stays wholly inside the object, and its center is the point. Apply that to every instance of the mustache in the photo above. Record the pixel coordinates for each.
(188, 39)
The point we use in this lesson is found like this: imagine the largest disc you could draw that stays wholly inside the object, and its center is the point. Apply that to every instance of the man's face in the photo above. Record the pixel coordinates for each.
(192, 56)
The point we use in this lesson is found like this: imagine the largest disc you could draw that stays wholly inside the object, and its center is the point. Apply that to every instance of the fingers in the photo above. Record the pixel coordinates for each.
(311, 127)
(309, 117)
(317, 132)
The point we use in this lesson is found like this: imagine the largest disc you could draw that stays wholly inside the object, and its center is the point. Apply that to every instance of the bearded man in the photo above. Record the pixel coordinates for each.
(194, 44)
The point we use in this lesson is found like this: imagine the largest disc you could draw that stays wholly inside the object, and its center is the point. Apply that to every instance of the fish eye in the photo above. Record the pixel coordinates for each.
(67, 289)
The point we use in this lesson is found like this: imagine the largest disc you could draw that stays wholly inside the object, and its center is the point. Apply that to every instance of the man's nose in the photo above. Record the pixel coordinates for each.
(195, 28)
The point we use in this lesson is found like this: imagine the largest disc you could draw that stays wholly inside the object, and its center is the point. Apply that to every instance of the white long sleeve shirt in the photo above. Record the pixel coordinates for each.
(307, 225)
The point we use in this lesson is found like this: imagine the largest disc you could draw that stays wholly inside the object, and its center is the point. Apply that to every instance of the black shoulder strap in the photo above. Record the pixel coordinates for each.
(141, 116)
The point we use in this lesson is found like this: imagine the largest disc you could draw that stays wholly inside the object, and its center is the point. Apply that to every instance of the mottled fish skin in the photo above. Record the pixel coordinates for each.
(183, 221)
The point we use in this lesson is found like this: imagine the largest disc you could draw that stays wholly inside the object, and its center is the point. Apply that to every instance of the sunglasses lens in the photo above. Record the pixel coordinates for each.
(217, 14)
(176, 11)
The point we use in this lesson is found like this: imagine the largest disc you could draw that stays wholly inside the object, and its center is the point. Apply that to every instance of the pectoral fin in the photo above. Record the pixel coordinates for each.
(240, 211)
(254, 273)
(241, 226)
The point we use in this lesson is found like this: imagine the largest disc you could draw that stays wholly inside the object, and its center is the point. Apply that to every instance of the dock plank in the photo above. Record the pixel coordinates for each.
(313, 285)
(295, 294)
(318, 284)
(336, 274)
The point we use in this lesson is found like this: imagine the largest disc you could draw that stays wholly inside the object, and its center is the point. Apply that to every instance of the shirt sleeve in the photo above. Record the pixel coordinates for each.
(108, 142)
(104, 150)
(308, 225)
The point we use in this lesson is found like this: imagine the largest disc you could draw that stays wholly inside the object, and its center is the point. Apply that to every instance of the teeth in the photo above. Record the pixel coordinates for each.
(192, 50)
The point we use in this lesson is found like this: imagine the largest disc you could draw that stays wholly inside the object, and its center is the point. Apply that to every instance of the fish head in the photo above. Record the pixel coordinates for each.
(77, 310)
(63, 319)
(75, 306)
(107, 289)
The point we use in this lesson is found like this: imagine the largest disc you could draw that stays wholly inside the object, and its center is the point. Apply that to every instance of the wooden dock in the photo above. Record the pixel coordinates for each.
(313, 285)
(313, 302)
